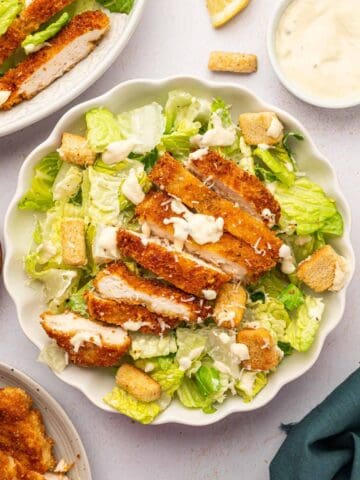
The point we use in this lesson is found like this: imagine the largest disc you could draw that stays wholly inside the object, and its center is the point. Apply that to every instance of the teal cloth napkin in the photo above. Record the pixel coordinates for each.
(325, 445)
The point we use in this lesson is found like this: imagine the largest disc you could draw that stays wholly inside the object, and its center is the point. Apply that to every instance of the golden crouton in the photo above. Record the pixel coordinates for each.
(230, 305)
(323, 270)
(137, 383)
(75, 149)
(232, 62)
(262, 349)
(73, 242)
(263, 127)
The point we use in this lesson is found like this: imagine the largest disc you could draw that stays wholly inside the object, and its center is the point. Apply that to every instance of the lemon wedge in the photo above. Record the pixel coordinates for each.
(221, 11)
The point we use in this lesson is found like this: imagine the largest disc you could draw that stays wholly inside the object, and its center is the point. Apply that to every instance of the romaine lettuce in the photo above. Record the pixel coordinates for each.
(207, 379)
(102, 129)
(67, 182)
(301, 332)
(144, 125)
(9, 9)
(54, 356)
(149, 346)
(39, 38)
(250, 384)
(191, 397)
(128, 405)
(40, 197)
(279, 163)
(191, 348)
(77, 302)
(291, 297)
(271, 315)
(306, 204)
(118, 6)
(272, 283)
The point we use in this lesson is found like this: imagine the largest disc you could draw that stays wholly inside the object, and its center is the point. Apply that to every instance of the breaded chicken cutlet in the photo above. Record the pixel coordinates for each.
(170, 175)
(22, 433)
(130, 317)
(41, 68)
(29, 20)
(88, 343)
(117, 282)
(184, 271)
(237, 185)
(11, 469)
(234, 256)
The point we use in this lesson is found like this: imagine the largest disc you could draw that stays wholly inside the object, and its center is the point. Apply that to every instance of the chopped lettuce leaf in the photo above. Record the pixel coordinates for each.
(144, 126)
(300, 333)
(191, 348)
(148, 160)
(272, 283)
(178, 144)
(279, 163)
(286, 348)
(220, 352)
(118, 6)
(333, 225)
(271, 315)
(219, 107)
(54, 356)
(77, 301)
(304, 245)
(39, 197)
(305, 204)
(148, 346)
(102, 129)
(9, 9)
(191, 397)
(67, 182)
(169, 378)
(207, 379)
(128, 405)
(58, 284)
(286, 140)
(39, 38)
(292, 297)
(250, 384)
(181, 113)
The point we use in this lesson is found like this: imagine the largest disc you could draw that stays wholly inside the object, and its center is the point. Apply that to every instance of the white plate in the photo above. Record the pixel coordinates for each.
(58, 425)
(75, 82)
(19, 227)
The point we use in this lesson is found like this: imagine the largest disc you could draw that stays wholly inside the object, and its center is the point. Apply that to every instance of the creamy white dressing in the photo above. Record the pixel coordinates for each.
(247, 381)
(222, 367)
(318, 47)
(132, 326)
(218, 136)
(201, 152)
(224, 338)
(269, 216)
(303, 240)
(209, 294)
(315, 311)
(105, 245)
(81, 337)
(186, 362)
(4, 96)
(226, 316)
(118, 151)
(241, 351)
(149, 367)
(145, 229)
(245, 149)
(201, 228)
(264, 146)
(132, 189)
(275, 129)
(287, 260)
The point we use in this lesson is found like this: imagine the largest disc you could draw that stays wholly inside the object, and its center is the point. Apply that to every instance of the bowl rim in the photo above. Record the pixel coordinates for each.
(28, 382)
(162, 84)
(335, 104)
(80, 87)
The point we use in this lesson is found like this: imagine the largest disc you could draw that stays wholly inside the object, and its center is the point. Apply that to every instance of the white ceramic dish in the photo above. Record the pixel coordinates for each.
(75, 82)
(278, 10)
(19, 226)
(58, 425)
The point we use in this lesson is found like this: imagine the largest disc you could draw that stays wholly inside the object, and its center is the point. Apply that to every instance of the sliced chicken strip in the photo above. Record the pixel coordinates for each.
(133, 318)
(42, 68)
(183, 270)
(170, 175)
(88, 343)
(29, 20)
(118, 283)
(237, 185)
(232, 255)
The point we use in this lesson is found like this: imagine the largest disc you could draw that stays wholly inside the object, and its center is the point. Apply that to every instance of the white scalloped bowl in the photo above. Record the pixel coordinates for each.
(75, 82)
(95, 383)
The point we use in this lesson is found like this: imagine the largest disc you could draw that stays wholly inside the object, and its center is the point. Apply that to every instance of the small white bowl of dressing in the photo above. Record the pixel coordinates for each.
(314, 48)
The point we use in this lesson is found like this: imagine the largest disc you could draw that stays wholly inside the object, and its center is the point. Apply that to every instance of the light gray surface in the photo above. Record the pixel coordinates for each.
(175, 38)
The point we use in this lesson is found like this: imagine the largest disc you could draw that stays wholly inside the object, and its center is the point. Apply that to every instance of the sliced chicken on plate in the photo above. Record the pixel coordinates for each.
(133, 318)
(170, 175)
(29, 20)
(232, 255)
(237, 185)
(118, 283)
(88, 343)
(185, 271)
(40, 69)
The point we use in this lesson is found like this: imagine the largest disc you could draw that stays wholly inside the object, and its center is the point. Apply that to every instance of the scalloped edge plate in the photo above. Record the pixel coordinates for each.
(18, 230)
(59, 427)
